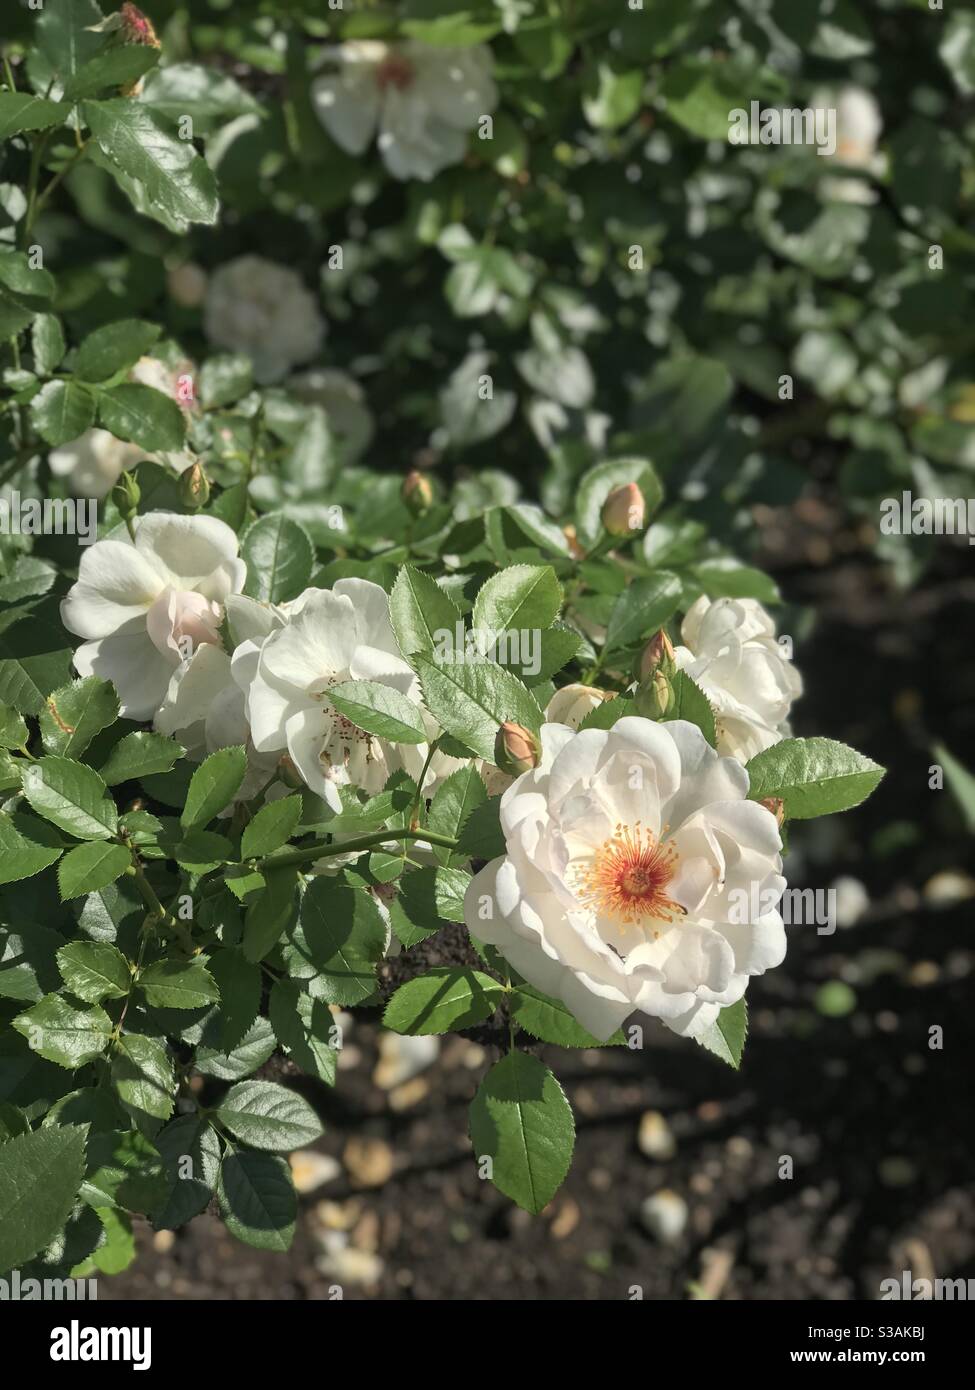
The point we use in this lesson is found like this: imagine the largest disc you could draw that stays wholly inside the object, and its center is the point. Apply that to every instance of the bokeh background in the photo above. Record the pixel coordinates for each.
(756, 265)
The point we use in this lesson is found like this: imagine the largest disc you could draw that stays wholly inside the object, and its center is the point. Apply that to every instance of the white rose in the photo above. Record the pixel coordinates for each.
(637, 877)
(93, 462)
(424, 100)
(328, 636)
(572, 703)
(264, 311)
(858, 129)
(145, 606)
(731, 652)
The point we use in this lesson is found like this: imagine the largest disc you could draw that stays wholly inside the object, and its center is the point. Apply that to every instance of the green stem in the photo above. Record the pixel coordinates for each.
(161, 917)
(40, 202)
(327, 849)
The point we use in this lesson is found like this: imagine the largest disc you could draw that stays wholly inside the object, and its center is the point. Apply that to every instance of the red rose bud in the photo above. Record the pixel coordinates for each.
(776, 805)
(657, 654)
(516, 749)
(417, 493)
(137, 27)
(194, 489)
(624, 511)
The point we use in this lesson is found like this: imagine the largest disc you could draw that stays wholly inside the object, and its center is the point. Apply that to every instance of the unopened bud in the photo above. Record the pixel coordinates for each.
(776, 805)
(417, 493)
(126, 495)
(288, 773)
(658, 654)
(516, 749)
(137, 27)
(194, 489)
(624, 511)
(655, 697)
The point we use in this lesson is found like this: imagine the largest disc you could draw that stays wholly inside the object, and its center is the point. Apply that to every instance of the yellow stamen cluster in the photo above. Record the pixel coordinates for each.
(628, 876)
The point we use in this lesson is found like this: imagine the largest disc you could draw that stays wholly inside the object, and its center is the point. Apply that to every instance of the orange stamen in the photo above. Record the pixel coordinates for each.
(628, 876)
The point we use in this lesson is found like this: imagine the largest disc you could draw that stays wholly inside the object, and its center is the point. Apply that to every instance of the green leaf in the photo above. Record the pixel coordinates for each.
(419, 609)
(139, 755)
(521, 598)
(114, 348)
(380, 710)
(65, 34)
(454, 800)
(271, 914)
(239, 983)
(39, 1178)
(338, 941)
(142, 1073)
(175, 984)
(253, 1050)
(71, 796)
(279, 557)
(13, 1121)
(187, 89)
(141, 145)
(61, 411)
(13, 730)
(550, 1021)
(142, 415)
(91, 867)
(125, 1171)
(272, 827)
(482, 836)
(691, 703)
(189, 1191)
(213, 786)
(305, 1028)
(257, 1200)
(444, 999)
(26, 847)
(47, 343)
(267, 1116)
(117, 66)
(813, 776)
(728, 579)
(521, 1120)
(35, 657)
(612, 98)
(470, 700)
(642, 609)
(726, 1036)
(224, 379)
(73, 715)
(60, 1033)
(24, 111)
(94, 970)
(961, 783)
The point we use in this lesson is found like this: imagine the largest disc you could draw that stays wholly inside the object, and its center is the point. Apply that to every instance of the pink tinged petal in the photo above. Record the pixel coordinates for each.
(179, 622)
(138, 671)
(115, 588)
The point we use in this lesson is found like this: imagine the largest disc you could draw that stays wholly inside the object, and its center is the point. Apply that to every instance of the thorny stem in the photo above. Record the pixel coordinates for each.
(161, 917)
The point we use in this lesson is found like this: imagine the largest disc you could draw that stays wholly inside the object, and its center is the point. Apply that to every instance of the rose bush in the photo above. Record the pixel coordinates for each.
(427, 363)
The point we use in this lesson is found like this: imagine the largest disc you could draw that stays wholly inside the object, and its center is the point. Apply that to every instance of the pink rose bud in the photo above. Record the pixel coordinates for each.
(659, 652)
(516, 749)
(776, 805)
(624, 511)
(417, 493)
(137, 27)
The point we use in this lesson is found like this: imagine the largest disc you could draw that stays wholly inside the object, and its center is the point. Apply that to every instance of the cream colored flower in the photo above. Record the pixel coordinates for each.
(264, 311)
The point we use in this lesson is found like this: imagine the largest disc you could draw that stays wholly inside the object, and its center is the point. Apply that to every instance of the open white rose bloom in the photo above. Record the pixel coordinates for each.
(323, 638)
(266, 312)
(146, 606)
(730, 650)
(634, 872)
(423, 100)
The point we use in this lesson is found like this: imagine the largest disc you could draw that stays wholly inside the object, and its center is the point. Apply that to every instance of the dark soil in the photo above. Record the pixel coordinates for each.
(878, 1125)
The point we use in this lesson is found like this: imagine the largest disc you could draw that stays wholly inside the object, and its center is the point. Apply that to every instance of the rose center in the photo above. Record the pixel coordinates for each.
(628, 878)
(394, 71)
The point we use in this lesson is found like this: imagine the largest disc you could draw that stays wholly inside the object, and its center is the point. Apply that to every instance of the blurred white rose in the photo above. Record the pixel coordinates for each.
(423, 100)
(266, 312)
(858, 129)
(731, 652)
(145, 606)
(93, 462)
